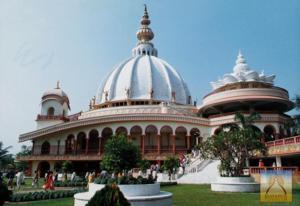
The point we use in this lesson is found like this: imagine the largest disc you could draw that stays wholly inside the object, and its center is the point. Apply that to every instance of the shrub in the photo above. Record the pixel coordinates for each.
(125, 180)
(4, 193)
(110, 195)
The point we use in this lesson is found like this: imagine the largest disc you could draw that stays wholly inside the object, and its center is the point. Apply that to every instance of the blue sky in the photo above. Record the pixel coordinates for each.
(78, 42)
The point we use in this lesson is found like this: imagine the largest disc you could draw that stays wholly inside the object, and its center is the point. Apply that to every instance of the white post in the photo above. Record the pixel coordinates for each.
(278, 161)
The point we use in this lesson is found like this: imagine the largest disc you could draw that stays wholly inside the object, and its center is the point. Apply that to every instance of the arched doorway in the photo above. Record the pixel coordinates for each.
(50, 111)
(135, 135)
(121, 131)
(81, 143)
(166, 141)
(43, 167)
(269, 133)
(195, 135)
(180, 139)
(93, 146)
(105, 135)
(70, 144)
(150, 139)
(45, 149)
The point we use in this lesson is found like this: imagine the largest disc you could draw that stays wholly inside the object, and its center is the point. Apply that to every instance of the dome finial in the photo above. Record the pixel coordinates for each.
(57, 84)
(145, 33)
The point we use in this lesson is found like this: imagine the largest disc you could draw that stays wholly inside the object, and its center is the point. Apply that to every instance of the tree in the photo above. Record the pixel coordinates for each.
(25, 151)
(67, 166)
(5, 157)
(171, 164)
(144, 165)
(234, 145)
(120, 155)
(110, 195)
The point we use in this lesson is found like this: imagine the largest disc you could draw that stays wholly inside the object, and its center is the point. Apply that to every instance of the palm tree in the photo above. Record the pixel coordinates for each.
(5, 157)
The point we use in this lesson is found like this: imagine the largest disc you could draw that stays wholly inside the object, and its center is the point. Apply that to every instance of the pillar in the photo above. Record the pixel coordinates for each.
(75, 146)
(143, 144)
(86, 145)
(278, 161)
(158, 144)
(99, 149)
(174, 144)
(188, 142)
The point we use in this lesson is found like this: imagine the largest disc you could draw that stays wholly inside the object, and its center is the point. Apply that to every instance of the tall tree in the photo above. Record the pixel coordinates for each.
(5, 156)
(234, 145)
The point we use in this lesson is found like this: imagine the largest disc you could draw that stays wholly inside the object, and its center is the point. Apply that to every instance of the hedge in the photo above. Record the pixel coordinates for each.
(43, 195)
(70, 183)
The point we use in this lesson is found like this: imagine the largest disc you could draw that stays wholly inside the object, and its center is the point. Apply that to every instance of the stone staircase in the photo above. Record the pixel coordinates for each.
(200, 171)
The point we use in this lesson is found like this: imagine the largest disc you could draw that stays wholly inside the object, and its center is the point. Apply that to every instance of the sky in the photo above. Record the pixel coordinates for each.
(79, 42)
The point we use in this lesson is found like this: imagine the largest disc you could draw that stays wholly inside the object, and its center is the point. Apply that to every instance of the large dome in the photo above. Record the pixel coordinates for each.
(144, 76)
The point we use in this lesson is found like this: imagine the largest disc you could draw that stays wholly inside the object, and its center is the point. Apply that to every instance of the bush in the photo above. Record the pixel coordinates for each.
(69, 183)
(4, 193)
(43, 195)
(124, 180)
(110, 195)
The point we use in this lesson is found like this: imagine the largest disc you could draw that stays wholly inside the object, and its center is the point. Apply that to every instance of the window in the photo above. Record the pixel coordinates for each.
(50, 111)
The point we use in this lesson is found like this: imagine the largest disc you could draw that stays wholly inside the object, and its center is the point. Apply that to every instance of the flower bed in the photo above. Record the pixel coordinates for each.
(43, 195)
(70, 183)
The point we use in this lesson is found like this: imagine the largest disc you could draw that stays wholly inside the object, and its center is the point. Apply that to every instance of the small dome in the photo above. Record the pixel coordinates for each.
(144, 77)
(57, 92)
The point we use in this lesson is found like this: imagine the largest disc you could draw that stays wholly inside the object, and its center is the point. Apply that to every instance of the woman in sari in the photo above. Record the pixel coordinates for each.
(49, 184)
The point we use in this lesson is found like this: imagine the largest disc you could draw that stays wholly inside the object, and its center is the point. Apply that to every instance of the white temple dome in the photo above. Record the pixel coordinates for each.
(144, 76)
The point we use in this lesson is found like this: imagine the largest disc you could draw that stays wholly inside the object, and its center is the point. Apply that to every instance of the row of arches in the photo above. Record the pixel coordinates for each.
(151, 140)
(268, 133)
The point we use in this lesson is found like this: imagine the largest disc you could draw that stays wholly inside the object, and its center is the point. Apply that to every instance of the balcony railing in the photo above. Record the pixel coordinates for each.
(258, 170)
(285, 141)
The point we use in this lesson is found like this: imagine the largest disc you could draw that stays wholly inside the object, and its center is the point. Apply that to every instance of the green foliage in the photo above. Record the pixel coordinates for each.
(144, 165)
(4, 192)
(67, 166)
(68, 183)
(110, 195)
(171, 164)
(234, 145)
(120, 155)
(124, 180)
(43, 195)
(5, 158)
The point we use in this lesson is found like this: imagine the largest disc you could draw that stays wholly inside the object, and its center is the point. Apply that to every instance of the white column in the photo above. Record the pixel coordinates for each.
(278, 161)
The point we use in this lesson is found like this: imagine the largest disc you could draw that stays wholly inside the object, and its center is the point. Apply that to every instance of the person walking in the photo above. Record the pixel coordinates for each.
(35, 180)
(20, 179)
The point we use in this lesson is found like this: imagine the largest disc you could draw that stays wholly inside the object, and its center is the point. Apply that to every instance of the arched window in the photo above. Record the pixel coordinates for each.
(135, 135)
(50, 111)
(45, 148)
(180, 138)
(195, 134)
(70, 144)
(166, 138)
(121, 131)
(81, 142)
(150, 138)
(105, 135)
(93, 141)
(269, 133)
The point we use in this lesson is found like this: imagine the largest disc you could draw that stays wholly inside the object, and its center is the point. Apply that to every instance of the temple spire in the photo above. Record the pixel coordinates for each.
(145, 33)
(57, 85)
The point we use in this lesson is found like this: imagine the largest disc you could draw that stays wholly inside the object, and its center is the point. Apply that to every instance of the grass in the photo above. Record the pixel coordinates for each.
(193, 195)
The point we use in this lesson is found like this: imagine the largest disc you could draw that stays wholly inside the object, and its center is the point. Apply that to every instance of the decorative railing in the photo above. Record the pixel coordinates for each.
(285, 141)
(258, 170)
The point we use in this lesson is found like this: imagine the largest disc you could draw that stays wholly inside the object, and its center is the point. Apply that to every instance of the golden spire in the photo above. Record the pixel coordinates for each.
(145, 33)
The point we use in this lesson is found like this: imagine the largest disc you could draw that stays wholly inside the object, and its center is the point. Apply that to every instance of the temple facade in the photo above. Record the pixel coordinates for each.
(147, 100)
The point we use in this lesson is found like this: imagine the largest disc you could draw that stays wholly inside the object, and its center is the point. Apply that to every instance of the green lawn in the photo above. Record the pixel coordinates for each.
(192, 195)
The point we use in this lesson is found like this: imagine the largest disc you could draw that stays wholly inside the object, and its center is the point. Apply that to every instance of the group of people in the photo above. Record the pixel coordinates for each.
(19, 174)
